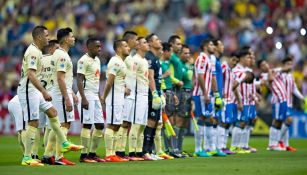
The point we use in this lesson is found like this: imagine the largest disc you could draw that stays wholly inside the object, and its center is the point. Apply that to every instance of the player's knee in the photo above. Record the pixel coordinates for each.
(289, 120)
(52, 112)
(242, 125)
(33, 123)
(65, 125)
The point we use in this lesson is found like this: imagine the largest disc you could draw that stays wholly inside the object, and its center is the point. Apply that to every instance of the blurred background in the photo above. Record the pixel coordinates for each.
(273, 28)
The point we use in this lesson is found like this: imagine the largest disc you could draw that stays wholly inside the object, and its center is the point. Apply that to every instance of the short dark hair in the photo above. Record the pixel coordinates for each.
(185, 46)
(166, 47)
(242, 53)
(172, 38)
(287, 59)
(62, 33)
(38, 30)
(91, 40)
(140, 37)
(234, 54)
(51, 43)
(149, 37)
(215, 41)
(117, 44)
(204, 43)
(259, 62)
(128, 35)
(246, 47)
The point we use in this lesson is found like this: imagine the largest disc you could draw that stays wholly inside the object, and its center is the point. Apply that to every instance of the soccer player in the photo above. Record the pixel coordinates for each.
(33, 97)
(242, 76)
(131, 38)
(90, 109)
(201, 96)
(63, 95)
(140, 108)
(218, 130)
(229, 114)
(176, 67)
(291, 89)
(113, 98)
(155, 97)
(274, 79)
(15, 112)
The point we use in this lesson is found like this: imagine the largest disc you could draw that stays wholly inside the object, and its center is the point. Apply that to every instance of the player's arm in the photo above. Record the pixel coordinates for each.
(297, 93)
(201, 82)
(36, 83)
(63, 89)
(107, 88)
(172, 74)
(80, 79)
(238, 98)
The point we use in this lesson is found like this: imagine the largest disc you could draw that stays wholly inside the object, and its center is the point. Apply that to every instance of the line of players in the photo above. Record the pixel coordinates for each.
(223, 95)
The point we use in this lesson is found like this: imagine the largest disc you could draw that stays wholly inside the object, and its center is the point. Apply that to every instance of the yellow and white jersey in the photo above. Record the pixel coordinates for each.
(62, 64)
(117, 67)
(90, 68)
(48, 69)
(130, 75)
(31, 60)
(141, 74)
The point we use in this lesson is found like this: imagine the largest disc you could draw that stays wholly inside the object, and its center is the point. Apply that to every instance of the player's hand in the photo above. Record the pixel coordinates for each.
(207, 99)
(84, 103)
(68, 105)
(46, 96)
(102, 100)
(163, 101)
(75, 99)
(240, 106)
(127, 92)
(176, 100)
(156, 100)
(180, 83)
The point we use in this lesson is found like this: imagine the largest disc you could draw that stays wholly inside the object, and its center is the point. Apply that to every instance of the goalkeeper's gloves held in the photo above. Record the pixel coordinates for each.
(156, 100)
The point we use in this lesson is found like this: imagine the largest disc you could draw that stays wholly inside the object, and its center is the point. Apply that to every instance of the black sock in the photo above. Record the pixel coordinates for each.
(83, 155)
(132, 154)
(91, 155)
(152, 139)
(147, 139)
(120, 153)
(139, 154)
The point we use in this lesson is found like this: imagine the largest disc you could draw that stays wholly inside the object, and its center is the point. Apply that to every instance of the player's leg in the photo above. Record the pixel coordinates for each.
(284, 141)
(226, 121)
(169, 110)
(275, 129)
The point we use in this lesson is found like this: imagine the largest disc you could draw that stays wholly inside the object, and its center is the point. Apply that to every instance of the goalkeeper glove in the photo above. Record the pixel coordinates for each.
(218, 103)
(156, 100)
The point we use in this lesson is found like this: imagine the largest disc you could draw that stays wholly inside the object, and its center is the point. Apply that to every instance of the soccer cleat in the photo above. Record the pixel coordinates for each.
(28, 161)
(68, 146)
(185, 154)
(87, 160)
(48, 160)
(113, 158)
(274, 148)
(166, 156)
(282, 145)
(227, 151)
(148, 157)
(252, 150)
(156, 157)
(133, 158)
(63, 161)
(176, 155)
(233, 149)
(290, 148)
(201, 154)
(219, 153)
(95, 157)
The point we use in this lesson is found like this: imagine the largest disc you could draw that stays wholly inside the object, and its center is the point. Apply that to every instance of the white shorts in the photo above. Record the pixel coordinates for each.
(114, 114)
(93, 114)
(16, 114)
(59, 104)
(43, 120)
(129, 108)
(33, 105)
(141, 110)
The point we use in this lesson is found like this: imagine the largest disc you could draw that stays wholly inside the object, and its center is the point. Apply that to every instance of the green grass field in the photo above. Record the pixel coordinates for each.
(263, 162)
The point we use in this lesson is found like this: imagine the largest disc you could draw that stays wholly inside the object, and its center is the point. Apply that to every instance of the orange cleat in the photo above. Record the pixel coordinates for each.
(290, 148)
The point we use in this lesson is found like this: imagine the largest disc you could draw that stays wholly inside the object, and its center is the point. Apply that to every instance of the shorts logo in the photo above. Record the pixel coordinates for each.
(34, 114)
(153, 114)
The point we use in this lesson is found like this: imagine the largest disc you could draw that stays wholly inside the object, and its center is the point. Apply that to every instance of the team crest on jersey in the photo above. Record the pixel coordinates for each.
(33, 57)
(62, 59)
(153, 114)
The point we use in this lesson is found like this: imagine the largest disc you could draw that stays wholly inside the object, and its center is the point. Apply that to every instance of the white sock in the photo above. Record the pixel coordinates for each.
(198, 136)
(214, 134)
(272, 136)
(236, 136)
(286, 139)
(248, 133)
(242, 137)
(283, 130)
(226, 138)
(220, 137)
(207, 138)
(278, 136)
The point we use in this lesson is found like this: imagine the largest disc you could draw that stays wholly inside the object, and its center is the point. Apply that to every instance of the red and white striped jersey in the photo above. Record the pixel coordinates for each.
(253, 92)
(203, 67)
(228, 78)
(277, 87)
(239, 72)
(291, 88)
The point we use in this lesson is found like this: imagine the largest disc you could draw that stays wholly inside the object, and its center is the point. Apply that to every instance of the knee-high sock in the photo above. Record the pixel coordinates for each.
(109, 141)
(167, 140)
(59, 154)
(214, 133)
(123, 140)
(157, 139)
(285, 138)
(29, 140)
(199, 136)
(133, 138)
(226, 138)
(174, 140)
(118, 139)
(51, 144)
(96, 139)
(21, 138)
(273, 137)
(248, 133)
(283, 130)
(85, 138)
(243, 133)
(220, 137)
(56, 127)
(46, 135)
(236, 136)
(36, 142)
(181, 134)
(208, 138)
(147, 139)
(140, 140)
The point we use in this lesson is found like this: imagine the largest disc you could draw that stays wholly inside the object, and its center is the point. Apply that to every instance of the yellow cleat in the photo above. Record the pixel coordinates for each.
(28, 161)
(67, 146)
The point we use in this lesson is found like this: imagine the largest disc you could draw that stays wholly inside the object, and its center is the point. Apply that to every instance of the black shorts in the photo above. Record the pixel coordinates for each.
(185, 103)
(170, 103)
(152, 113)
